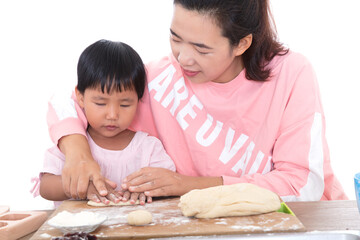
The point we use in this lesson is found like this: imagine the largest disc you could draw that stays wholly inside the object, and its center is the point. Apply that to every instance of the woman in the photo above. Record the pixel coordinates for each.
(230, 105)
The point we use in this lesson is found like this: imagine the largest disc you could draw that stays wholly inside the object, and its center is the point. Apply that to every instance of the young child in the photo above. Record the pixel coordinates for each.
(111, 81)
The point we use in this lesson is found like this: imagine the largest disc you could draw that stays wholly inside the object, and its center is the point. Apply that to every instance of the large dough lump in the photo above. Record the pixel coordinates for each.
(240, 199)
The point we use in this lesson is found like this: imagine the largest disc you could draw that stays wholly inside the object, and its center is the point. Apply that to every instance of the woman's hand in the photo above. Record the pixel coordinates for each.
(80, 168)
(113, 195)
(156, 182)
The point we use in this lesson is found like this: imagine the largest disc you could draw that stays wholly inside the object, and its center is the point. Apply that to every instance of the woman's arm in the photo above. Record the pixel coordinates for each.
(80, 167)
(155, 182)
(67, 127)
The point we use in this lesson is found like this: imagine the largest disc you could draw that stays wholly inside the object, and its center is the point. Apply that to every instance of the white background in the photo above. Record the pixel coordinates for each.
(40, 42)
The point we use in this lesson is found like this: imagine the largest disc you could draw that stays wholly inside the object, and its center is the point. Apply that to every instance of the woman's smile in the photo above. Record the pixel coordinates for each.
(190, 73)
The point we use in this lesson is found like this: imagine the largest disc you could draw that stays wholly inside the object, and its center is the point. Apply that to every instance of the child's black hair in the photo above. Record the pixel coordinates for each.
(110, 65)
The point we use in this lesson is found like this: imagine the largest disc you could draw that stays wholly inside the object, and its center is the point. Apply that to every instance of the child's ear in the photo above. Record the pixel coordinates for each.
(79, 97)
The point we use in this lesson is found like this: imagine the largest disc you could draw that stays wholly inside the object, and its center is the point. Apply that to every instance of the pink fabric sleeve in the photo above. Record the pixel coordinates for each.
(300, 160)
(65, 117)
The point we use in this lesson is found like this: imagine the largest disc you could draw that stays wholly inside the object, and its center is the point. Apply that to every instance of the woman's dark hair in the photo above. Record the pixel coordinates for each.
(239, 18)
(111, 65)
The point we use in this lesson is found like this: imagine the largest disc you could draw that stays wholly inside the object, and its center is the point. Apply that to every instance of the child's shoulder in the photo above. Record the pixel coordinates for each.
(144, 139)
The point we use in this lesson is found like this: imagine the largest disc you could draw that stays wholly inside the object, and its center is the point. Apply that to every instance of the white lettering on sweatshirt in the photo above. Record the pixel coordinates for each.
(185, 107)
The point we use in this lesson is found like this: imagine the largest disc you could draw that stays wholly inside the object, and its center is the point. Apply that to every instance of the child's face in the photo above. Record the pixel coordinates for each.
(108, 114)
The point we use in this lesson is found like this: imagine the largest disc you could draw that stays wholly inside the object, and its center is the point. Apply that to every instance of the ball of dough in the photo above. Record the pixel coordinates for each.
(240, 199)
(139, 217)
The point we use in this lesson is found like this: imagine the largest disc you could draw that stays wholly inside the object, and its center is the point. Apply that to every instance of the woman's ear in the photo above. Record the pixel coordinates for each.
(79, 97)
(243, 45)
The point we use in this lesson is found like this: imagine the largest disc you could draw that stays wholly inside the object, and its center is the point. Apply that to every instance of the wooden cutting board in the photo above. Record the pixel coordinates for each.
(168, 221)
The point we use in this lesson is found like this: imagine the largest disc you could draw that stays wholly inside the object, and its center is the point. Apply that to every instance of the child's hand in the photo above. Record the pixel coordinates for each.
(132, 197)
(94, 195)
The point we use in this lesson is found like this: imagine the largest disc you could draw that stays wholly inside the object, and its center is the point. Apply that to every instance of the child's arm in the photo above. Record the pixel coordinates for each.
(51, 187)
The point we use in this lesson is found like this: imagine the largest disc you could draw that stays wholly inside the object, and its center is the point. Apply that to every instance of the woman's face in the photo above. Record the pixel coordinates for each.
(202, 52)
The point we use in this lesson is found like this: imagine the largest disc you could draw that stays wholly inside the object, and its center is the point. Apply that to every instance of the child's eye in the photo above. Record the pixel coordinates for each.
(125, 105)
(100, 104)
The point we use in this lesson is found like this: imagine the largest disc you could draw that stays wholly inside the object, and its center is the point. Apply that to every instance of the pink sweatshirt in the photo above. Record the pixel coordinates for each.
(267, 133)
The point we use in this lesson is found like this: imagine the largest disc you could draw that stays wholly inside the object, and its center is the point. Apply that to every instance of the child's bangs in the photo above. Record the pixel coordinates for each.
(115, 83)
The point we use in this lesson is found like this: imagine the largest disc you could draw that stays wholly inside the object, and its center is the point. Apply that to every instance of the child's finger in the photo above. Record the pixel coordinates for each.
(134, 197)
(112, 197)
(104, 200)
(126, 196)
(142, 198)
(117, 194)
(94, 198)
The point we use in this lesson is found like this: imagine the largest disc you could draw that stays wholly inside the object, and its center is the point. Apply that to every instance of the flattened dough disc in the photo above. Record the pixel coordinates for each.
(95, 204)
